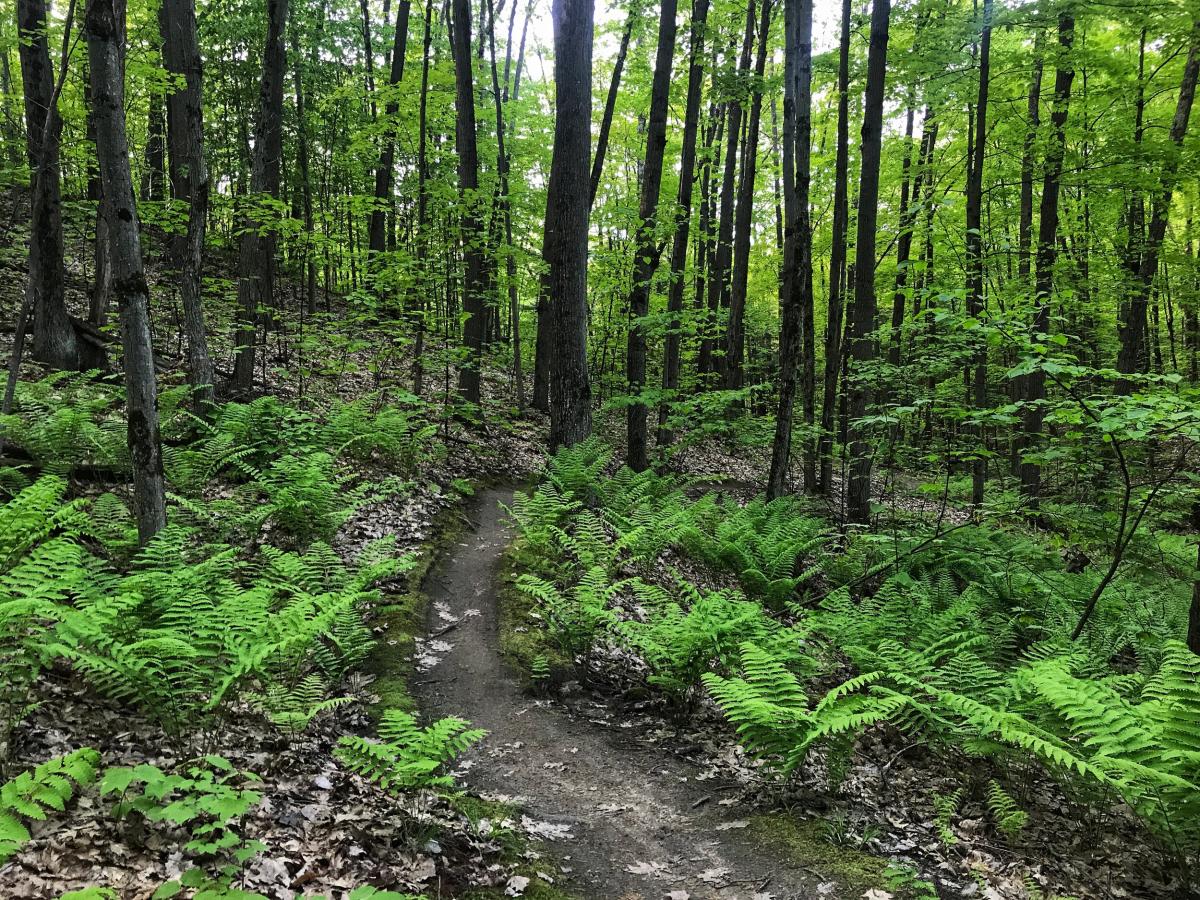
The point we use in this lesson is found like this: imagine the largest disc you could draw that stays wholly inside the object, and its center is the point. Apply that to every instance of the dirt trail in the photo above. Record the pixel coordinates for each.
(624, 805)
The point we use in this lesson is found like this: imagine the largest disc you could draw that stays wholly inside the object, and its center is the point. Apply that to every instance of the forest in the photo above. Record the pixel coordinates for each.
(740, 449)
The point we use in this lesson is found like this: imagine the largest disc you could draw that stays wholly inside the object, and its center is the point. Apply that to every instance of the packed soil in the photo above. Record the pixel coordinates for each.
(621, 820)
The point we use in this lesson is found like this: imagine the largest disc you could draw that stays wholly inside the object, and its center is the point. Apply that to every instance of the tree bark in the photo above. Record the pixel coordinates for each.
(646, 254)
(1132, 356)
(54, 339)
(105, 19)
(189, 181)
(1047, 253)
(974, 248)
(735, 334)
(418, 365)
(862, 344)
(683, 216)
(567, 223)
(797, 297)
(385, 171)
(544, 351)
(718, 283)
(466, 143)
(837, 260)
(256, 257)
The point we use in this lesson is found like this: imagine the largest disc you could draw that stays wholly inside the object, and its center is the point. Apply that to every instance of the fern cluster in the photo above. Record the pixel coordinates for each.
(960, 639)
(45, 788)
(407, 756)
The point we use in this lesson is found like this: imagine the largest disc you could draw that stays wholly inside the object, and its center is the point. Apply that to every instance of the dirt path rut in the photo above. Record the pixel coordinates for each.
(640, 825)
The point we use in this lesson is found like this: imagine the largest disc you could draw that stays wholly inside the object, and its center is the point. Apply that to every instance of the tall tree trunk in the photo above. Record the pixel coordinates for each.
(646, 253)
(385, 171)
(1047, 253)
(683, 215)
(504, 201)
(1132, 355)
(718, 283)
(567, 223)
(303, 163)
(466, 144)
(544, 350)
(153, 178)
(797, 298)
(1033, 115)
(610, 105)
(54, 339)
(105, 21)
(256, 258)
(735, 334)
(189, 181)
(102, 277)
(423, 279)
(862, 344)
(837, 260)
(974, 246)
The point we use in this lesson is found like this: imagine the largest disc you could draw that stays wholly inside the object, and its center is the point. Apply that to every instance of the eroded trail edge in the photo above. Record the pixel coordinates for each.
(622, 820)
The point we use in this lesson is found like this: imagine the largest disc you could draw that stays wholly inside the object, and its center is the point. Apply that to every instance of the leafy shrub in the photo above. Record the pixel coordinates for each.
(33, 794)
(408, 757)
(206, 800)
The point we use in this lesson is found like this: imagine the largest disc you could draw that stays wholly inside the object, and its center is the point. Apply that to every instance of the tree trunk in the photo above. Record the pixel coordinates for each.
(54, 340)
(837, 260)
(423, 281)
(544, 351)
(105, 19)
(646, 254)
(189, 181)
(567, 223)
(683, 216)
(797, 299)
(862, 343)
(1047, 253)
(610, 105)
(102, 277)
(302, 161)
(256, 258)
(974, 247)
(385, 171)
(1132, 356)
(153, 178)
(718, 284)
(505, 204)
(735, 334)
(466, 143)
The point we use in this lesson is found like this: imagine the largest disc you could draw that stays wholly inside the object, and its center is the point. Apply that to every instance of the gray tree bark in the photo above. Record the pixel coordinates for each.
(567, 209)
(189, 181)
(256, 258)
(54, 339)
(104, 22)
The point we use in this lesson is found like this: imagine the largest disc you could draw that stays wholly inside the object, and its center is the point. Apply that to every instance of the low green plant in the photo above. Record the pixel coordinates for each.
(40, 791)
(205, 800)
(406, 756)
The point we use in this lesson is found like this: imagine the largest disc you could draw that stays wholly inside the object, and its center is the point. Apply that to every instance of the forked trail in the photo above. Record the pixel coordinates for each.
(640, 824)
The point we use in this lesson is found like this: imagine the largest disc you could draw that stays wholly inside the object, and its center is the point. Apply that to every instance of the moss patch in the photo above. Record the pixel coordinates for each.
(402, 616)
(855, 871)
(521, 642)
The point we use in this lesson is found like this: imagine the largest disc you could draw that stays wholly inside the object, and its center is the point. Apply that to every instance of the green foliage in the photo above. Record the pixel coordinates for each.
(578, 616)
(1009, 818)
(406, 756)
(768, 546)
(36, 793)
(206, 801)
